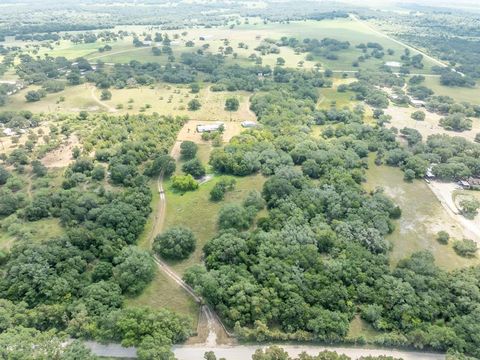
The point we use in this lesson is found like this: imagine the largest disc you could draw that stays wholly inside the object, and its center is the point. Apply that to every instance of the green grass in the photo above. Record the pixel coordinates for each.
(422, 217)
(163, 292)
(471, 95)
(340, 29)
(36, 231)
(359, 327)
(195, 211)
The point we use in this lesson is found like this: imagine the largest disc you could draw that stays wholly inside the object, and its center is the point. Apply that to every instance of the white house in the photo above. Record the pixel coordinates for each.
(249, 124)
(8, 132)
(209, 127)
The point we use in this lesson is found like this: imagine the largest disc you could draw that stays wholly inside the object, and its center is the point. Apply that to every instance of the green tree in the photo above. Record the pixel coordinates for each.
(4, 175)
(175, 243)
(469, 207)
(194, 167)
(188, 150)
(134, 269)
(231, 104)
(234, 216)
(106, 94)
(38, 168)
(161, 163)
(184, 182)
(194, 105)
(465, 247)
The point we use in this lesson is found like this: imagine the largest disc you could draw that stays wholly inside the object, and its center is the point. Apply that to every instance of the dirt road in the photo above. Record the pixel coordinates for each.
(100, 102)
(209, 320)
(444, 193)
(245, 352)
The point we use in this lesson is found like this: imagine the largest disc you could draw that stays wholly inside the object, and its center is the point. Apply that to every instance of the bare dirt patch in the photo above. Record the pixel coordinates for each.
(445, 194)
(401, 117)
(62, 156)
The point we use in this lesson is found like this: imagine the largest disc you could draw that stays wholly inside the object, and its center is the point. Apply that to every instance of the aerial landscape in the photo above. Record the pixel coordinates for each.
(239, 179)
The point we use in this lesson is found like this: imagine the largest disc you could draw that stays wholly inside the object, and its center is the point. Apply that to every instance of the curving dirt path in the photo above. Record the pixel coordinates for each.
(100, 102)
(208, 318)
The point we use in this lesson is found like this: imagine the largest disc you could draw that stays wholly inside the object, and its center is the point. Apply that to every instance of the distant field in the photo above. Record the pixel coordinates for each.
(340, 29)
(165, 99)
(422, 217)
(471, 95)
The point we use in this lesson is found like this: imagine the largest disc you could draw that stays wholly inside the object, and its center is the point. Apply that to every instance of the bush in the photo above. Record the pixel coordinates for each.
(218, 191)
(456, 122)
(106, 95)
(194, 167)
(254, 200)
(409, 175)
(465, 247)
(443, 237)
(194, 105)
(184, 183)
(469, 207)
(175, 243)
(418, 115)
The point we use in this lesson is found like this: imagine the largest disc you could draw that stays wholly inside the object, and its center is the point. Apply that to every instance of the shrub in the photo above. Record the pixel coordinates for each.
(465, 247)
(469, 207)
(194, 105)
(443, 237)
(418, 115)
(184, 182)
(218, 191)
(175, 243)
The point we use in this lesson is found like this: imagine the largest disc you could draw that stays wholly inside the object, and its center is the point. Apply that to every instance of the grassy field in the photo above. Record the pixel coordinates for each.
(340, 29)
(163, 292)
(471, 95)
(37, 231)
(162, 98)
(359, 327)
(422, 217)
(195, 211)
(77, 98)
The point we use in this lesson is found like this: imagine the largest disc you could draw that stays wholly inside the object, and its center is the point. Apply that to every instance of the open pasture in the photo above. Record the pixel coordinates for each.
(422, 218)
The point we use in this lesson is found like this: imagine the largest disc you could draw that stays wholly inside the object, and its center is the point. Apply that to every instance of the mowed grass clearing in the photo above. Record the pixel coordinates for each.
(163, 292)
(195, 211)
(167, 99)
(422, 218)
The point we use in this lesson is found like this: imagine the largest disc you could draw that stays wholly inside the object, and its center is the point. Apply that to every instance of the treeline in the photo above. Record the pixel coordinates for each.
(77, 282)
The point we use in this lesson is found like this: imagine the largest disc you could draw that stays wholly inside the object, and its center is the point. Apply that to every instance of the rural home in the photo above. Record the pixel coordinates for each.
(209, 127)
(249, 124)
